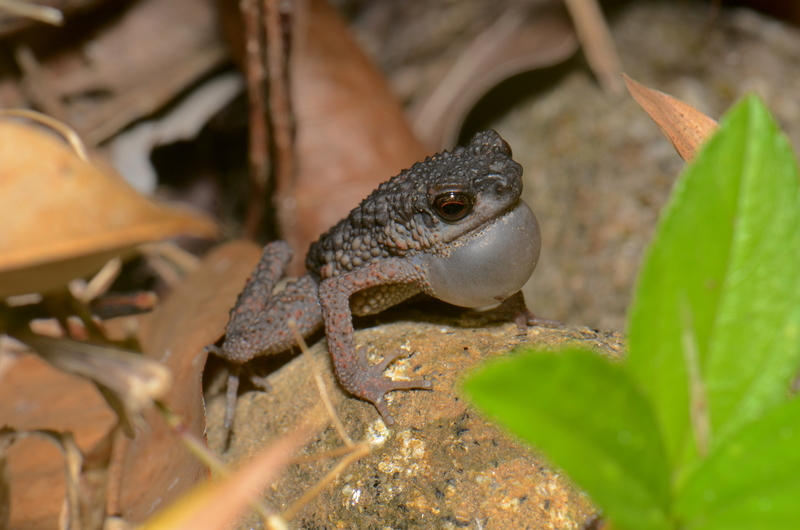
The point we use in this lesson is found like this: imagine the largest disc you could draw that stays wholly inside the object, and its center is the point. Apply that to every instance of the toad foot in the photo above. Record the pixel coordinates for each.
(376, 386)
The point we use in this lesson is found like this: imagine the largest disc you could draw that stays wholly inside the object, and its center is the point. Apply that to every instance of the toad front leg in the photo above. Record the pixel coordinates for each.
(259, 322)
(354, 372)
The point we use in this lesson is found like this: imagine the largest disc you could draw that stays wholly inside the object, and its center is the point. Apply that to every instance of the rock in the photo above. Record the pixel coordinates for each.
(442, 465)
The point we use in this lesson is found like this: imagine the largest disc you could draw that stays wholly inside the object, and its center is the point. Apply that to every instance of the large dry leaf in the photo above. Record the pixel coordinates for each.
(521, 39)
(34, 395)
(155, 468)
(63, 217)
(351, 131)
(683, 125)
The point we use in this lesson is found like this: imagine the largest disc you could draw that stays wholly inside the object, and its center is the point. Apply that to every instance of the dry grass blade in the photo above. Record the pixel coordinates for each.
(6, 439)
(358, 451)
(683, 125)
(86, 292)
(598, 46)
(201, 451)
(20, 8)
(216, 507)
(62, 128)
(73, 464)
(323, 392)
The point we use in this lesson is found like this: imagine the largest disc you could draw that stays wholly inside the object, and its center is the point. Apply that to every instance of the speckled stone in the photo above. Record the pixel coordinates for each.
(442, 465)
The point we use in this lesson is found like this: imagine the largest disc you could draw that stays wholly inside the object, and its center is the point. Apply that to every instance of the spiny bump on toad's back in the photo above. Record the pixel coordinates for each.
(397, 218)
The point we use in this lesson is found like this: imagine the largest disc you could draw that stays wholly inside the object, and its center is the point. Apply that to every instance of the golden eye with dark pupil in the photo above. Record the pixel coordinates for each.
(452, 206)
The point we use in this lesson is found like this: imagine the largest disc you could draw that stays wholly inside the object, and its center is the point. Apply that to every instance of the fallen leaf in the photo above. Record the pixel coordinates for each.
(36, 396)
(683, 125)
(64, 218)
(154, 469)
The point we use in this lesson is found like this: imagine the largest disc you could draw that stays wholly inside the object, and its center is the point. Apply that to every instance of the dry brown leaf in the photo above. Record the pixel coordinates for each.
(520, 40)
(64, 218)
(155, 468)
(34, 395)
(683, 125)
(351, 131)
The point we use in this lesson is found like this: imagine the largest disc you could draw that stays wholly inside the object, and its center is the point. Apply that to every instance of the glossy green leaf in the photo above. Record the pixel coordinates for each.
(715, 326)
(751, 482)
(591, 420)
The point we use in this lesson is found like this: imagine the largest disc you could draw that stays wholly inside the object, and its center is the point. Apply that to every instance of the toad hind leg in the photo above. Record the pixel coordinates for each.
(352, 368)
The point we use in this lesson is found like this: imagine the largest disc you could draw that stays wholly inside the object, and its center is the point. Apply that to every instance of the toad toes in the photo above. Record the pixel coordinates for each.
(453, 227)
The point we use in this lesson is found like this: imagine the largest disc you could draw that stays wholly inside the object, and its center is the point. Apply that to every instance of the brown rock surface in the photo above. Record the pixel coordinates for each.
(442, 466)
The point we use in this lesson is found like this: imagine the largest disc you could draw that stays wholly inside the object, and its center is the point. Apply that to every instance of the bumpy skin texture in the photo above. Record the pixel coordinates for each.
(371, 260)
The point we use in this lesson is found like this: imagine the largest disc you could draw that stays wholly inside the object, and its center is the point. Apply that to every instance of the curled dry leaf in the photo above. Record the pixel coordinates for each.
(64, 218)
(36, 396)
(683, 125)
(154, 469)
(127, 381)
(521, 39)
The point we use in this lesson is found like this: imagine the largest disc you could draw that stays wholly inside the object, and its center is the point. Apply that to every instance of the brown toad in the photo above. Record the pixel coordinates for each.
(452, 226)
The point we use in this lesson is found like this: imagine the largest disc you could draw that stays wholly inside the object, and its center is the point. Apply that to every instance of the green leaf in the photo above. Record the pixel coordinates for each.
(751, 481)
(591, 420)
(715, 322)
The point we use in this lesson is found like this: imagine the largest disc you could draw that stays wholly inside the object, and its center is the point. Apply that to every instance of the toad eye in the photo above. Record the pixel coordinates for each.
(452, 206)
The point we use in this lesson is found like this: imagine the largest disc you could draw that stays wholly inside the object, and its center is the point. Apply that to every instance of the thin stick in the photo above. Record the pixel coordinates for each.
(359, 451)
(258, 138)
(201, 451)
(344, 450)
(323, 391)
(101, 281)
(280, 109)
(60, 127)
(47, 14)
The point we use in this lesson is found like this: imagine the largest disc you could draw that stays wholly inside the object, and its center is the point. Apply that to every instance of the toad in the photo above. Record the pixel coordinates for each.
(453, 227)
